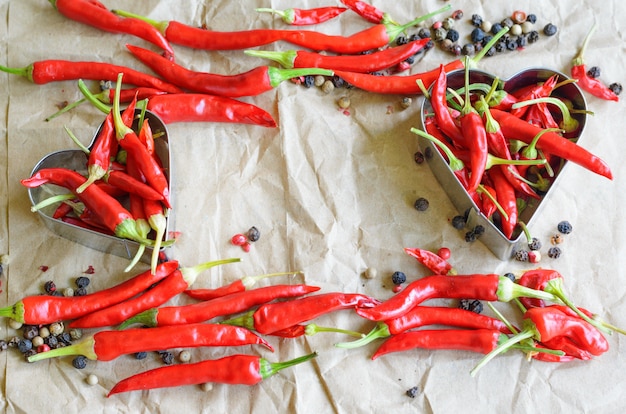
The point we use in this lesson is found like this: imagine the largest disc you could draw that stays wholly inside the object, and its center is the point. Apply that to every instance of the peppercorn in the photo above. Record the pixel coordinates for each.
(92, 379)
(319, 80)
(479, 230)
(167, 357)
(593, 72)
(616, 87)
(82, 281)
(328, 86)
(402, 40)
(343, 102)
(184, 356)
(495, 28)
(470, 237)
(510, 276)
(507, 22)
(521, 256)
(468, 49)
(398, 278)
(447, 44)
(370, 273)
(554, 252)
(406, 102)
(13, 342)
(518, 16)
(474, 305)
(511, 43)
(549, 29)
(516, 30)
(418, 156)
(52, 341)
(412, 392)
(338, 82)
(141, 355)
(253, 234)
(421, 204)
(309, 81)
(500, 46)
(534, 244)
(457, 14)
(476, 19)
(3, 345)
(527, 27)
(68, 291)
(80, 362)
(533, 36)
(564, 227)
(423, 33)
(556, 239)
(37, 341)
(50, 287)
(413, 37)
(56, 328)
(531, 18)
(458, 222)
(486, 26)
(477, 35)
(29, 353)
(30, 331)
(521, 41)
(43, 348)
(24, 345)
(439, 34)
(76, 333)
(448, 23)
(452, 35)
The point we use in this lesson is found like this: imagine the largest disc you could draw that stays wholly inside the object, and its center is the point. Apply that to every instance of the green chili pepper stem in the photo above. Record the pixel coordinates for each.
(278, 75)
(140, 250)
(525, 230)
(491, 125)
(84, 347)
(455, 163)
(452, 103)
(52, 200)
(477, 57)
(501, 348)
(492, 89)
(284, 58)
(249, 281)
(508, 290)
(425, 93)
(481, 189)
(530, 151)
(65, 109)
(147, 318)
(288, 15)
(381, 330)
(74, 138)
(120, 128)
(191, 273)
(26, 72)
(160, 25)
(267, 368)
(520, 305)
(245, 321)
(394, 30)
(578, 59)
(568, 123)
(159, 223)
(312, 329)
(504, 320)
(555, 287)
(127, 229)
(143, 227)
(15, 312)
(93, 98)
(467, 105)
(541, 184)
(493, 160)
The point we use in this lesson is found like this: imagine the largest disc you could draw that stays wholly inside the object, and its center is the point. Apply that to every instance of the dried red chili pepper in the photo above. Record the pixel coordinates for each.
(475, 340)
(170, 286)
(274, 317)
(432, 261)
(235, 369)
(490, 287)
(222, 306)
(251, 83)
(428, 315)
(587, 83)
(304, 17)
(44, 309)
(367, 11)
(368, 63)
(45, 71)
(110, 344)
(550, 142)
(239, 285)
(95, 14)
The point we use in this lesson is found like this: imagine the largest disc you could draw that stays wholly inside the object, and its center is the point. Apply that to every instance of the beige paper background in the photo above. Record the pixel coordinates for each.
(332, 195)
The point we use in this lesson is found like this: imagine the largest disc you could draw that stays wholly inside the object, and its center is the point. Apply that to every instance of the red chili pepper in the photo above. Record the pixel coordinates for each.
(95, 14)
(475, 340)
(372, 38)
(460, 171)
(274, 317)
(370, 13)
(45, 71)
(443, 117)
(364, 63)
(550, 142)
(251, 83)
(226, 305)
(489, 287)
(129, 184)
(303, 17)
(79, 223)
(505, 194)
(62, 210)
(235, 369)
(587, 83)
(191, 107)
(146, 137)
(170, 286)
(103, 148)
(539, 90)
(109, 210)
(108, 345)
(488, 195)
(432, 261)
(239, 285)
(428, 315)
(44, 309)
(536, 279)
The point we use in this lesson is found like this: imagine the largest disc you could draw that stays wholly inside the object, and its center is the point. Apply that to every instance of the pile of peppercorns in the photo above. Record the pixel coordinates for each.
(534, 245)
(460, 221)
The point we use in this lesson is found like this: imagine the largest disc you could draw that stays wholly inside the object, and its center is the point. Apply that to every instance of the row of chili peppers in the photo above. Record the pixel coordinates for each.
(554, 329)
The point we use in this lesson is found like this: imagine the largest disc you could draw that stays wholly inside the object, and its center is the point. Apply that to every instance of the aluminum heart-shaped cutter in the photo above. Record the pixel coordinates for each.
(77, 160)
(493, 238)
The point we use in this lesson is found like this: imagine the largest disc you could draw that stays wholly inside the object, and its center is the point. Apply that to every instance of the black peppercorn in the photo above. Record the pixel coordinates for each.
(80, 362)
(50, 287)
(24, 345)
(141, 355)
(254, 234)
(167, 357)
(30, 331)
(421, 204)
(82, 282)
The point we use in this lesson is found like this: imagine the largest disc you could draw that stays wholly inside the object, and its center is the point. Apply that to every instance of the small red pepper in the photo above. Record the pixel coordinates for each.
(239, 285)
(367, 11)
(107, 345)
(505, 194)
(443, 117)
(304, 17)
(432, 261)
(234, 369)
(44, 309)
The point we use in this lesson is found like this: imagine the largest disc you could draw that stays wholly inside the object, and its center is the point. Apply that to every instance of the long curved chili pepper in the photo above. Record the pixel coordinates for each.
(372, 62)
(103, 148)
(587, 83)
(110, 344)
(443, 118)
(550, 142)
(432, 261)
(475, 340)
(95, 14)
(116, 218)
(170, 286)
(489, 287)
(367, 11)
(226, 305)
(425, 316)
(274, 317)
(62, 210)
(56, 70)
(234, 369)
(505, 194)
(239, 285)
(195, 107)
(74, 221)
(129, 184)
(44, 309)
(303, 17)
(540, 90)
(251, 83)
(377, 36)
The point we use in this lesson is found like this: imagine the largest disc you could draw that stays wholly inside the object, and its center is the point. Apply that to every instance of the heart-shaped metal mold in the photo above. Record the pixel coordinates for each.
(77, 160)
(493, 238)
